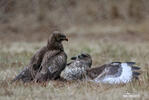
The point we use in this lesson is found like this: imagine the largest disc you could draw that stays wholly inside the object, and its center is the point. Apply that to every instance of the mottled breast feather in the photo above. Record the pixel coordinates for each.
(76, 69)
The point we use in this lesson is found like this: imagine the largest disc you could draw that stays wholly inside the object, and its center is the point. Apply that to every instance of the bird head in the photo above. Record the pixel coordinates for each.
(59, 37)
(55, 40)
(83, 57)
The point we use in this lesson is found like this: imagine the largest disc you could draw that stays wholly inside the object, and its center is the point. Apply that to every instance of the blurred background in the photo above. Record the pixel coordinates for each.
(34, 20)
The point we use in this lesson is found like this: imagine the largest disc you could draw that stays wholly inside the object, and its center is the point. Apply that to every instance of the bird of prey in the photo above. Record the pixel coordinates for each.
(52, 55)
(76, 69)
(54, 60)
(114, 73)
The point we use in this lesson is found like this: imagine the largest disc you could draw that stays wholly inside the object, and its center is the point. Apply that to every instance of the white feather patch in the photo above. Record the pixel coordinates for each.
(73, 73)
(125, 77)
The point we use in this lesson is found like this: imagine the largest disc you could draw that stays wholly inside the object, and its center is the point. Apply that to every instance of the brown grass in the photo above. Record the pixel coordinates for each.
(14, 56)
(110, 30)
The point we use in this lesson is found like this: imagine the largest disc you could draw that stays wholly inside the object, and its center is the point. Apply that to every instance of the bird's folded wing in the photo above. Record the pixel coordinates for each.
(53, 62)
(36, 60)
(59, 64)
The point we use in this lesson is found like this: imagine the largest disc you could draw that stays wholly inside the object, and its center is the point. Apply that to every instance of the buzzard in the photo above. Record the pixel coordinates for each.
(52, 55)
(54, 60)
(76, 69)
(114, 73)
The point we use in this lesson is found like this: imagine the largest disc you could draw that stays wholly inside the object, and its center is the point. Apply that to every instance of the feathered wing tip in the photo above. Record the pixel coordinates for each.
(133, 74)
(25, 76)
(18, 77)
(15, 79)
(136, 75)
(132, 71)
(135, 69)
(131, 63)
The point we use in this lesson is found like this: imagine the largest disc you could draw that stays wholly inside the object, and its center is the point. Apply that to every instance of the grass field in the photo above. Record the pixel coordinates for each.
(109, 30)
(15, 55)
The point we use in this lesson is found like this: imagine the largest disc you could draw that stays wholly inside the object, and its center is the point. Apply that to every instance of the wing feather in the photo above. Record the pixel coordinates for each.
(53, 63)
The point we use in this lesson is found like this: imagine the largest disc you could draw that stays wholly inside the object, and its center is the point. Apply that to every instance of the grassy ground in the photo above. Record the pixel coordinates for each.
(15, 55)
(106, 29)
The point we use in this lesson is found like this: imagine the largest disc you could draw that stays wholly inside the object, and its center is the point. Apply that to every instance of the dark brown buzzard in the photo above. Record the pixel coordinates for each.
(54, 60)
(52, 55)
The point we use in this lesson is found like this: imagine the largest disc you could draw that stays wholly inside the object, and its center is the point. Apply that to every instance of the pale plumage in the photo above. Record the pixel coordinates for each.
(76, 69)
(114, 73)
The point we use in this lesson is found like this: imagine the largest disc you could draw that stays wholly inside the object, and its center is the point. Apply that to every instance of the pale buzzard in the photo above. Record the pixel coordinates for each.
(76, 69)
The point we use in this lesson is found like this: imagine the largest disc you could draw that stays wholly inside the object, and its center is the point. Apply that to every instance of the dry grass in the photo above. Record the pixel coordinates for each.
(14, 56)
(110, 30)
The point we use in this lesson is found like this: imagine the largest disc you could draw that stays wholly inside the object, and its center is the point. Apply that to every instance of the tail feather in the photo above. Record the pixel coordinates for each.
(18, 77)
(25, 76)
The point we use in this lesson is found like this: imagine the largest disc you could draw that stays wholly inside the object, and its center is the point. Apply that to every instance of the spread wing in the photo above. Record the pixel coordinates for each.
(113, 69)
(52, 65)
(116, 72)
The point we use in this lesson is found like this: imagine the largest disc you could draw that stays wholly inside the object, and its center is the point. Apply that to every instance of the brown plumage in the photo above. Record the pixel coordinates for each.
(44, 55)
(54, 61)
(29, 72)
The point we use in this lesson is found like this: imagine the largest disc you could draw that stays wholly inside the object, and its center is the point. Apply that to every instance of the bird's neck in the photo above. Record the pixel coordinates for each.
(55, 46)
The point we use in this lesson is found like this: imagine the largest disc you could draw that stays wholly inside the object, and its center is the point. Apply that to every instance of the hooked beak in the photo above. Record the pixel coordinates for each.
(66, 39)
